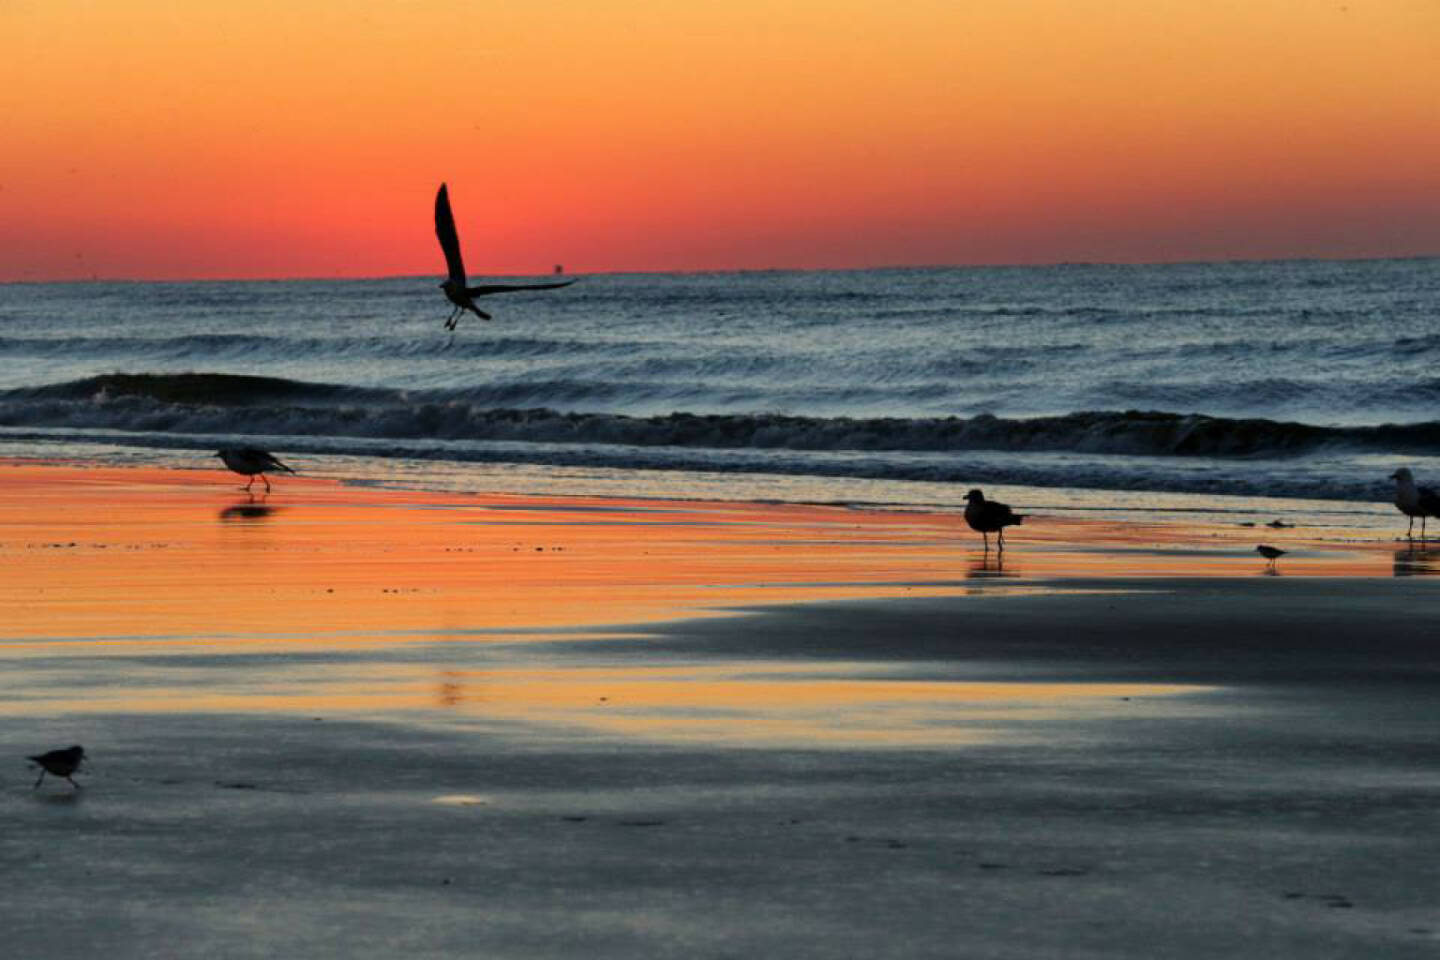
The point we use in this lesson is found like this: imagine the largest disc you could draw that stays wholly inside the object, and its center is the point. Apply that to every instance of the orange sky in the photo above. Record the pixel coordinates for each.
(150, 139)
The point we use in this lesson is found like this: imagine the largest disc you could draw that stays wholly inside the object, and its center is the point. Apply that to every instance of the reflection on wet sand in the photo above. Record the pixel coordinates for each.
(450, 690)
(755, 702)
(986, 565)
(348, 561)
(1416, 561)
(249, 509)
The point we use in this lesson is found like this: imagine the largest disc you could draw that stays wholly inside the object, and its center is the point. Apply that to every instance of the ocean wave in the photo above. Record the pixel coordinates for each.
(241, 405)
(261, 347)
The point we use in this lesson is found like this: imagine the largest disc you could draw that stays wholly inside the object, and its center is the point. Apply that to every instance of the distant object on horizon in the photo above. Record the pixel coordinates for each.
(454, 286)
(1270, 553)
(59, 763)
(251, 462)
(989, 516)
(1414, 501)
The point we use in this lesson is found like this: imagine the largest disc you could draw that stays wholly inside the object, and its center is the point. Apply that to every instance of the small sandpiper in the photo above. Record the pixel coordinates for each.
(1270, 553)
(251, 462)
(59, 763)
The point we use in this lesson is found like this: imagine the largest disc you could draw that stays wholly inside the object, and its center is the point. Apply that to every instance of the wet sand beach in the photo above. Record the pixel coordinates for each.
(368, 722)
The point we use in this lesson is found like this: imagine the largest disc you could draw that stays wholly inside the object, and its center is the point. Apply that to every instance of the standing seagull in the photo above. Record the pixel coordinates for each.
(454, 286)
(989, 516)
(59, 763)
(1414, 501)
(1270, 553)
(251, 462)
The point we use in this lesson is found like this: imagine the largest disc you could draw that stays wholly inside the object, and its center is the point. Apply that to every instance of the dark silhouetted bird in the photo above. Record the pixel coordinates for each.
(989, 516)
(1270, 553)
(59, 763)
(1414, 501)
(251, 462)
(456, 291)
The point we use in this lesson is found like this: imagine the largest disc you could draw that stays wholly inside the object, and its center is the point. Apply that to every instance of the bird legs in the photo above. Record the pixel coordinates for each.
(43, 771)
(459, 312)
(252, 480)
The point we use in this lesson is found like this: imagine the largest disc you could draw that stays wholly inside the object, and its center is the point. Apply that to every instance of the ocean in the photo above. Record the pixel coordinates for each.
(1147, 387)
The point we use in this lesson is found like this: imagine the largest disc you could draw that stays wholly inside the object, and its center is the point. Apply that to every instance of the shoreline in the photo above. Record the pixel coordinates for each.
(365, 722)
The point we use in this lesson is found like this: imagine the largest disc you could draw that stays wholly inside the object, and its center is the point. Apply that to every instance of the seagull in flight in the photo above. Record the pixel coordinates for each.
(251, 462)
(456, 291)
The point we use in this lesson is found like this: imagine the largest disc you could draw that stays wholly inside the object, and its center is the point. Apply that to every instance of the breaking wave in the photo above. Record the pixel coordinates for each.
(210, 403)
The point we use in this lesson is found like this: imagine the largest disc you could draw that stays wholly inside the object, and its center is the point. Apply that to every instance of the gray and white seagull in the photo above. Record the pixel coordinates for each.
(462, 296)
(1414, 501)
(990, 516)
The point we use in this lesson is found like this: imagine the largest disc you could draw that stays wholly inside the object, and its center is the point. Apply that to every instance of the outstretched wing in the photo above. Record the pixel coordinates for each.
(490, 288)
(449, 239)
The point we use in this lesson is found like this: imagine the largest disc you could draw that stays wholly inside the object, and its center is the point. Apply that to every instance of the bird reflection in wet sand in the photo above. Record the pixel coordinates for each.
(450, 690)
(251, 509)
(989, 565)
(1413, 562)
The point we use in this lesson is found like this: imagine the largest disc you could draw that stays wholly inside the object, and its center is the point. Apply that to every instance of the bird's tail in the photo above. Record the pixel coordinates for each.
(1019, 518)
(282, 466)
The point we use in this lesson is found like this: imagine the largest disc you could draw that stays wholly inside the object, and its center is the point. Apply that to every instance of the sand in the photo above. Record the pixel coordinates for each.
(361, 722)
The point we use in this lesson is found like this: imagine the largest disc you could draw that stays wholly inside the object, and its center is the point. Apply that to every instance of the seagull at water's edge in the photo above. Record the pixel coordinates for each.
(59, 763)
(251, 462)
(1270, 553)
(1414, 501)
(456, 291)
(989, 516)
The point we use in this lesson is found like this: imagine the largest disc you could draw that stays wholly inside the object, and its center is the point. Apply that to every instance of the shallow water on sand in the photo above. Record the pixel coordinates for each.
(354, 720)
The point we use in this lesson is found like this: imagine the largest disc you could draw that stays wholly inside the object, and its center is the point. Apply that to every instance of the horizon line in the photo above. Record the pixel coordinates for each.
(314, 278)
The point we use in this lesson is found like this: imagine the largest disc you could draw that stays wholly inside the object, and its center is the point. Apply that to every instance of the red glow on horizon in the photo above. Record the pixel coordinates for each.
(227, 143)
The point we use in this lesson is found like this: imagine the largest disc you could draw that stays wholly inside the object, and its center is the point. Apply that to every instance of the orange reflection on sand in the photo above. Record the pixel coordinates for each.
(833, 704)
(104, 553)
(151, 553)
(767, 703)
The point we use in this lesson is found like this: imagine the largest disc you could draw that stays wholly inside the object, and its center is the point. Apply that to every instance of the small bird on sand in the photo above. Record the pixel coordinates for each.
(251, 462)
(454, 286)
(59, 763)
(989, 516)
(1270, 553)
(1414, 501)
